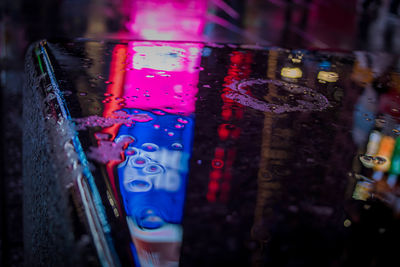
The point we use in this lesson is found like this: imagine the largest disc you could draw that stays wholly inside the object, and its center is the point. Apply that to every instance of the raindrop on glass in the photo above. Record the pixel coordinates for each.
(379, 160)
(158, 112)
(150, 147)
(176, 146)
(182, 120)
(131, 151)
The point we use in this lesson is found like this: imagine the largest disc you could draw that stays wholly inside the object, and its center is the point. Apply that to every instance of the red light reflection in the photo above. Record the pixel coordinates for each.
(232, 113)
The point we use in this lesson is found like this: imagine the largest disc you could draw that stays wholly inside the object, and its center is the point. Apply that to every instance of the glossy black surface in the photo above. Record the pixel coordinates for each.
(277, 140)
(345, 25)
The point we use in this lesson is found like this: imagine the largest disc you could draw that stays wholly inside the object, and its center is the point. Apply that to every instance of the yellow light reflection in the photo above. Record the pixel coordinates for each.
(327, 76)
(293, 73)
(296, 60)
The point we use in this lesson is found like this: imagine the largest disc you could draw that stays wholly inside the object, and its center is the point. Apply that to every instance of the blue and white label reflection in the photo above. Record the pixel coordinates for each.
(152, 182)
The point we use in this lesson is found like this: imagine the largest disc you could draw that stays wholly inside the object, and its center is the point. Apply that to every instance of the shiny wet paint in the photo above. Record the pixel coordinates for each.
(314, 24)
(210, 154)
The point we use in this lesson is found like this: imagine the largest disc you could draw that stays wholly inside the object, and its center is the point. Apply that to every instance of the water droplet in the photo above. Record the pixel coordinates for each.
(153, 169)
(396, 131)
(182, 120)
(131, 151)
(158, 112)
(83, 94)
(108, 94)
(100, 77)
(347, 223)
(171, 133)
(156, 126)
(179, 126)
(176, 146)
(150, 147)
(149, 76)
(366, 159)
(379, 160)
(125, 138)
(108, 82)
(370, 161)
(139, 162)
(217, 163)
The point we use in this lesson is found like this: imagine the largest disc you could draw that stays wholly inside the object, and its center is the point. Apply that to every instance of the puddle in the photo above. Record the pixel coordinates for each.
(306, 99)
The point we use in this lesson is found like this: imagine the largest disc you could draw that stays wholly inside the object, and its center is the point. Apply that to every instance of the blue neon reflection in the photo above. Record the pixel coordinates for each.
(152, 182)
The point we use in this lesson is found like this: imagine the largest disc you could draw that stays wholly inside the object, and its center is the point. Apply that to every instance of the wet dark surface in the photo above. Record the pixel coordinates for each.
(305, 211)
(262, 145)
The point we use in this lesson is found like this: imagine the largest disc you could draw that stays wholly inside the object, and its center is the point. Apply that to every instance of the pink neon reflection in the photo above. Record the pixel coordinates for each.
(163, 76)
(166, 20)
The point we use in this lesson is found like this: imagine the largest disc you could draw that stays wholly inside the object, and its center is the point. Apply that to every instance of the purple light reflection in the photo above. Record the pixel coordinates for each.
(166, 20)
(162, 76)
